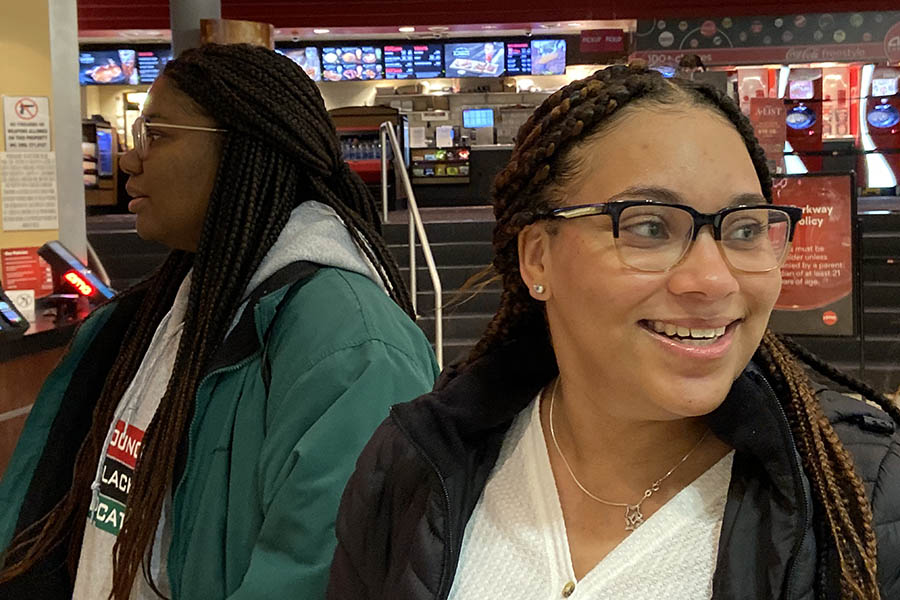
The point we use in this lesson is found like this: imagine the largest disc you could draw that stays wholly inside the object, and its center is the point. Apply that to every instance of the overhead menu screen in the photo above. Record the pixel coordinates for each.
(417, 61)
(548, 57)
(151, 63)
(518, 58)
(307, 59)
(107, 67)
(476, 59)
(351, 62)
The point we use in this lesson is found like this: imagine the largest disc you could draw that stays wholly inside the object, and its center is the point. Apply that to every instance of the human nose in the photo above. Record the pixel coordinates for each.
(130, 162)
(703, 270)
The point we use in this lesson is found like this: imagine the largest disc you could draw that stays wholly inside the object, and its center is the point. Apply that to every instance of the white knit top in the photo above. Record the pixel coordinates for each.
(515, 543)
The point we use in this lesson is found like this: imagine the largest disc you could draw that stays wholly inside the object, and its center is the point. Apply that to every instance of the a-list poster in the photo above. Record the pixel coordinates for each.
(817, 278)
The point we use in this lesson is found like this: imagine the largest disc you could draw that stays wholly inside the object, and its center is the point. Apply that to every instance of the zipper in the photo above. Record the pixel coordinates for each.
(442, 593)
(798, 478)
(188, 463)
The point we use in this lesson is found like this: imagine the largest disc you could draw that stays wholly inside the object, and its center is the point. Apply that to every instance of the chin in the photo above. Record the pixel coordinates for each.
(693, 398)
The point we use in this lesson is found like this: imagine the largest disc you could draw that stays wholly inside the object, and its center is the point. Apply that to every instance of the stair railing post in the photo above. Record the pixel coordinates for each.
(384, 178)
(417, 226)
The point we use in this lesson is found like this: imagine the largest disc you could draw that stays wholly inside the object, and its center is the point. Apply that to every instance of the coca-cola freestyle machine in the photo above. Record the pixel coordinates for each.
(803, 108)
(882, 124)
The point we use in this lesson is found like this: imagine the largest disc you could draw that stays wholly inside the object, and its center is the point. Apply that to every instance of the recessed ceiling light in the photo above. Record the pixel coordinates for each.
(406, 29)
(574, 24)
(439, 29)
(321, 30)
(489, 27)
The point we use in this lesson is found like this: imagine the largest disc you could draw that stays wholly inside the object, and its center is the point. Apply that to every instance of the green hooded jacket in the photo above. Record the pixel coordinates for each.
(261, 475)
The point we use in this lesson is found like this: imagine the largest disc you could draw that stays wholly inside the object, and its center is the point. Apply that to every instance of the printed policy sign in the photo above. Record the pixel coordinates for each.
(817, 280)
(28, 191)
(23, 269)
(26, 123)
(767, 116)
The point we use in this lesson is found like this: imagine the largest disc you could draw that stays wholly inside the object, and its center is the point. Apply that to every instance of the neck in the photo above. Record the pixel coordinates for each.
(618, 454)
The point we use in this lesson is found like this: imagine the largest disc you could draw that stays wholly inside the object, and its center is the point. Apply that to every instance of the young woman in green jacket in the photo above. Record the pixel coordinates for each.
(194, 441)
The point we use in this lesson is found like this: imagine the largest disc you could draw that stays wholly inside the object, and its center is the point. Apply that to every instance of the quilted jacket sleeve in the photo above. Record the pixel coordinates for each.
(363, 527)
(886, 509)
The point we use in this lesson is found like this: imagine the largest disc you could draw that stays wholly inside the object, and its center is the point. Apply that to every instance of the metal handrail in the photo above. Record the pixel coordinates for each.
(388, 133)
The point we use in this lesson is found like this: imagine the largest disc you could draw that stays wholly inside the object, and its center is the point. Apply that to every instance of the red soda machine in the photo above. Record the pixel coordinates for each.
(803, 117)
(880, 127)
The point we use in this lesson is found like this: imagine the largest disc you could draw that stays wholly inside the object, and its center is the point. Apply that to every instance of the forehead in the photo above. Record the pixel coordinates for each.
(693, 152)
(165, 101)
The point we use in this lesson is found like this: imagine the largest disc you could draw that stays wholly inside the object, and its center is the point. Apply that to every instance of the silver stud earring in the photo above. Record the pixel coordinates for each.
(538, 288)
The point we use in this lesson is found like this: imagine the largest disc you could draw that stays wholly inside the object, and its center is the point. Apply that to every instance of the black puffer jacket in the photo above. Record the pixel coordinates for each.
(404, 511)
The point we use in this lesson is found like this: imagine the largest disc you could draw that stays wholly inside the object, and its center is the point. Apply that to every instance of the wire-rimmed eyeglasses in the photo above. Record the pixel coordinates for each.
(655, 236)
(142, 140)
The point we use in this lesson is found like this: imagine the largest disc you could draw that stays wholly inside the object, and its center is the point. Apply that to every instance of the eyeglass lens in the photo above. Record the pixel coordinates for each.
(139, 133)
(655, 238)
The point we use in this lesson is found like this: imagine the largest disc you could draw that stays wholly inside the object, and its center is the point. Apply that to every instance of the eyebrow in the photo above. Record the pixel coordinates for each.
(667, 196)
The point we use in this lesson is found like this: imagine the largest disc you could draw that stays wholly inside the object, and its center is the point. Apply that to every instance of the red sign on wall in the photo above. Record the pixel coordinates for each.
(23, 269)
(817, 279)
(602, 41)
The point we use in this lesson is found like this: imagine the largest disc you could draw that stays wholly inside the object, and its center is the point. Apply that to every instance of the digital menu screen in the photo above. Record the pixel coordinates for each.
(518, 58)
(884, 87)
(548, 57)
(151, 63)
(307, 58)
(351, 62)
(415, 61)
(104, 152)
(800, 89)
(476, 59)
(107, 67)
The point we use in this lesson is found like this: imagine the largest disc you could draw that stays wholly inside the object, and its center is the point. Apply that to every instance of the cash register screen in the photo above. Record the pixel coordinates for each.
(474, 118)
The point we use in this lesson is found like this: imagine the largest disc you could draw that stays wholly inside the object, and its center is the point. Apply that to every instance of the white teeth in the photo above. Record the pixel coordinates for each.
(670, 329)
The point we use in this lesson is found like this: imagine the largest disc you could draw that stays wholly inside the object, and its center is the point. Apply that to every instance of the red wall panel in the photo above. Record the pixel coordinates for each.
(154, 14)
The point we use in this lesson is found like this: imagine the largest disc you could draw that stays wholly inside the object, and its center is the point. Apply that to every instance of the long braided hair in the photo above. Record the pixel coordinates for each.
(533, 181)
(281, 149)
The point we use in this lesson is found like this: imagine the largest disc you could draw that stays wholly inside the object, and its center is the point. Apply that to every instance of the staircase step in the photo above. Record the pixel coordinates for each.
(452, 277)
(447, 254)
(882, 321)
(881, 294)
(881, 269)
(878, 348)
(880, 222)
(481, 231)
(467, 326)
(881, 243)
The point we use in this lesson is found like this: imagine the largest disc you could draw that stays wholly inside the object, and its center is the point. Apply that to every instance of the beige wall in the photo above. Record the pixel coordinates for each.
(25, 69)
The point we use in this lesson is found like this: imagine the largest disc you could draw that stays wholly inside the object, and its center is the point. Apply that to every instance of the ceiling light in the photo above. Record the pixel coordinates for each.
(321, 30)
(406, 29)
(574, 24)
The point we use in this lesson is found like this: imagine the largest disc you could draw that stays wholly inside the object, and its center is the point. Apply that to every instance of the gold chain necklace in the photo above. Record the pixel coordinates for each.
(633, 516)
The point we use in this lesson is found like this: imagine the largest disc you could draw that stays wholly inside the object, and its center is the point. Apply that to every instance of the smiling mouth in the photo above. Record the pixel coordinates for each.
(689, 336)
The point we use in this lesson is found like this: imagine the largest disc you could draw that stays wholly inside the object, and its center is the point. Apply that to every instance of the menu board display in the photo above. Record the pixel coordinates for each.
(151, 63)
(416, 61)
(518, 58)
(800, 89)
(351, 62)
(476, 59)
(884, 87)
(548, 57)
(107, 67)
(308, 60)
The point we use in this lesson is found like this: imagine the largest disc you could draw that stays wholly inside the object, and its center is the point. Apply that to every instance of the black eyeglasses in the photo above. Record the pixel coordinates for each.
(655, 236)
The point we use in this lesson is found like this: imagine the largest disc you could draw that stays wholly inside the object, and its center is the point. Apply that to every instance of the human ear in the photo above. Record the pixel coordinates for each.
(534, 260)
